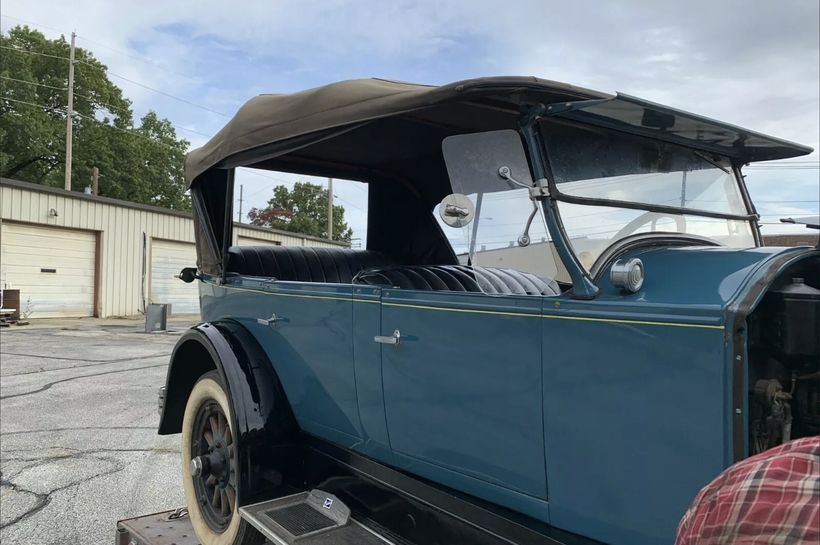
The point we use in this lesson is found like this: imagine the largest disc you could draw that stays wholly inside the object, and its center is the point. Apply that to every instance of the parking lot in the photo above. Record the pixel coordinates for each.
(78, 442)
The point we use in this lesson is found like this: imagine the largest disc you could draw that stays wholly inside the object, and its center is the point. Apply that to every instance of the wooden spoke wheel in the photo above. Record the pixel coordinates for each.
(209, 467)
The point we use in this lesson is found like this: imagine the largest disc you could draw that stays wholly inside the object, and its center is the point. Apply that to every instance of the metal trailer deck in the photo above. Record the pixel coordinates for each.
(307, 518)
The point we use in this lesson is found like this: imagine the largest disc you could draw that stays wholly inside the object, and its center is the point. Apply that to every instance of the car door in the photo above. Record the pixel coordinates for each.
(462, 392)
(305, 328)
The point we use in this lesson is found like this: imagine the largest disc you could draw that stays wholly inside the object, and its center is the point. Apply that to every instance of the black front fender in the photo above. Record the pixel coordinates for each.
(264, 425)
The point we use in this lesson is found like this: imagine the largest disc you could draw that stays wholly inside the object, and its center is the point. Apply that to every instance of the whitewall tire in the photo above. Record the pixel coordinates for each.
(209, 467)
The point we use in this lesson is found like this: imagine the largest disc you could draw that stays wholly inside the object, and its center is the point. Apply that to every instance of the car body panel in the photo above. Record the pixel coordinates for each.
(611, 391)
(593, 410)
(696, 277)
(607, 419)
(310, 343)
(460, 410)
(368, 363)
(630, 369)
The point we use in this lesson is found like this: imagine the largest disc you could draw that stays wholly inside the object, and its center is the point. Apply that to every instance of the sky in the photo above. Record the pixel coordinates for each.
(752, 63)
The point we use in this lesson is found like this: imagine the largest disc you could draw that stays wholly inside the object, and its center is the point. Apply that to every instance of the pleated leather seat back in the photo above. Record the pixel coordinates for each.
(303, 264)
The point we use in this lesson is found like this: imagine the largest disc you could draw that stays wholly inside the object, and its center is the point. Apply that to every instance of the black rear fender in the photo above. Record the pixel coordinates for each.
(264, 426)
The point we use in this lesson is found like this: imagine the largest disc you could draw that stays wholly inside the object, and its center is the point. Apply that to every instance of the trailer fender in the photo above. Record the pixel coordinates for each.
(264, 426)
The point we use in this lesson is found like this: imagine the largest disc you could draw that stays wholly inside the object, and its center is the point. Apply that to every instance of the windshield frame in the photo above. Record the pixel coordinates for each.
(751, 215)
(543, 188)
(583, 285)
(556, 196)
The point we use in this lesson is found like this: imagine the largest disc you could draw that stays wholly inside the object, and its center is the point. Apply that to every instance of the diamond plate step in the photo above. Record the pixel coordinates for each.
(309, 518)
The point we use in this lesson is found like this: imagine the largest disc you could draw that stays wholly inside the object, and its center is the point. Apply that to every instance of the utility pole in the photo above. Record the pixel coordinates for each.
(95, 181)
(330, 208)
(69, 129)
(241, 187)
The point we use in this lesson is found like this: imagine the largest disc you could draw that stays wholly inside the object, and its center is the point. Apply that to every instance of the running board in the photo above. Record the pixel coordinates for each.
(309, 518)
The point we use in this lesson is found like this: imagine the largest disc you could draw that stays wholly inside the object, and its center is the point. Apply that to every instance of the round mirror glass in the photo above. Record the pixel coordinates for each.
(456, 210)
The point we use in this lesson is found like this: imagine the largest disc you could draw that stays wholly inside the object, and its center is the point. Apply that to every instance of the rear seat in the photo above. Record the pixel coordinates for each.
(303, 264)
(459, 278)
(340, 266)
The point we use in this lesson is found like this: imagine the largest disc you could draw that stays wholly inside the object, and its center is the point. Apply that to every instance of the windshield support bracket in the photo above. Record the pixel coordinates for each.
(582, 285)
(541, 190)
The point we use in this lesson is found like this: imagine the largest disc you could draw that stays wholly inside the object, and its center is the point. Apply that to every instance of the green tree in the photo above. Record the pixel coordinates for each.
(302, 210)
(141, 163)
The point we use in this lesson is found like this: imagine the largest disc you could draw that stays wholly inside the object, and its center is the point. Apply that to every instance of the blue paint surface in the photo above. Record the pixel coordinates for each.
(310, 346)
(463, 393)
(601, 417)
(634, 425)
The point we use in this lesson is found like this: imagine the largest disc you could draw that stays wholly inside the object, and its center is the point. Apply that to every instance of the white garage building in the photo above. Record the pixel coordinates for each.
(73, 255)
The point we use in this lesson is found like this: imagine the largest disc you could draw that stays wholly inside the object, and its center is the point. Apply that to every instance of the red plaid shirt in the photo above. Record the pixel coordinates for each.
(772, 498)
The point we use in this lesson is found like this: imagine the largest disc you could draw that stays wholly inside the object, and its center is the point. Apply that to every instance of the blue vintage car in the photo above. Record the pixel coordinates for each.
(562, 326)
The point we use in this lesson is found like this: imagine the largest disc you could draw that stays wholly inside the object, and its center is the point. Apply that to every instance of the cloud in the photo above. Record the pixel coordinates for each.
(755, 64)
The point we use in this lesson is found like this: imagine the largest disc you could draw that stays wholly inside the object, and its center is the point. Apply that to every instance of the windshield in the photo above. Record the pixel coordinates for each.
(594, 163)
(593, 229)
(625, 177)
(492, 237)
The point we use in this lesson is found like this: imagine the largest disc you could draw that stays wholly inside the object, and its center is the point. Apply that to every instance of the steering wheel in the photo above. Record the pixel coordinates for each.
(650, 217)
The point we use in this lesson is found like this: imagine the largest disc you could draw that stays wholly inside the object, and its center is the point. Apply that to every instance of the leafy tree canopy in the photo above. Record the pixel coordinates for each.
(139, 163)
(303, 210)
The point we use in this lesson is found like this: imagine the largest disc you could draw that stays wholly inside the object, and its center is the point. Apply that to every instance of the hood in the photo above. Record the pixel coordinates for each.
(705, 280)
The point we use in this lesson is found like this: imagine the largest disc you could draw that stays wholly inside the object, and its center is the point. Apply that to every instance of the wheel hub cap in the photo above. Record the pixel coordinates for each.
(213, 467)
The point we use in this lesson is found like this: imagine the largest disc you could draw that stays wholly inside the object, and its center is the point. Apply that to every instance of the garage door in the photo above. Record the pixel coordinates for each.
(52, 267)
(248, 241)
(167, 259)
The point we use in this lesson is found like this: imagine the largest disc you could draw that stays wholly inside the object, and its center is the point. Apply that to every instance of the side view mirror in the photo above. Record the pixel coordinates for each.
(456, 210)
(188, 274)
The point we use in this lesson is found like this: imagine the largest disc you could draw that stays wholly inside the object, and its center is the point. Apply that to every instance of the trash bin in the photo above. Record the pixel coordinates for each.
(156, 317)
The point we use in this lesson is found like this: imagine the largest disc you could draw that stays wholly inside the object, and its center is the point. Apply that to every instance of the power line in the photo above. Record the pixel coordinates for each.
(49, 108)
(30, 52)
(778, 202)
(35, 83)
(254, 172)
(132, 131)
(146, 60)
(3, 15)
(194, 131)
(349, 203)
(790, 161)
(188, 129)
(101, 103)
(289, 182)
(104, 45)
(88, 98)
(120, 76)
(186, 101)
(784, 167)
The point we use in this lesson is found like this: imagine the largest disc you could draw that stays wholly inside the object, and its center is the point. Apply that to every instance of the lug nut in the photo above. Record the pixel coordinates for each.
(199, 465)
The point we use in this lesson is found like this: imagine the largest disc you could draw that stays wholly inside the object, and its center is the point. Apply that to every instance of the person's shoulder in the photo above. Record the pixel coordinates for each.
(783, 483)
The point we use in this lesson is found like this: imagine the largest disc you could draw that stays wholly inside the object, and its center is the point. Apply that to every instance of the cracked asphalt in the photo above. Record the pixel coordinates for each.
(78, 443)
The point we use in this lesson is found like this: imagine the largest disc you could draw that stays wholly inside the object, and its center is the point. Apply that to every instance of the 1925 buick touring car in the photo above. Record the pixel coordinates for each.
(562, 326)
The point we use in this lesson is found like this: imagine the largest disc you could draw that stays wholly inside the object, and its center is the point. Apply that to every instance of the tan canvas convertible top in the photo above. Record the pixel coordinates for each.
(389, 134)
(267, 120)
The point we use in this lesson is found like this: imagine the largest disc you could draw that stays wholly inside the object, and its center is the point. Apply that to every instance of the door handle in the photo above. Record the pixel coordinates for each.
(388, 339)
(267, 321)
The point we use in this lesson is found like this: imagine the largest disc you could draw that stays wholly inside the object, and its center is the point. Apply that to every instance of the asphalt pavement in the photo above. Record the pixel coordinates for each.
(78, 443)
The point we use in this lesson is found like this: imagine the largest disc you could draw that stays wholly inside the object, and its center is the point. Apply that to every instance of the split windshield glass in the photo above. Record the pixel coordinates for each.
(602, 164)
(608, 168)
(616, 181)
(491, 238)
